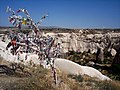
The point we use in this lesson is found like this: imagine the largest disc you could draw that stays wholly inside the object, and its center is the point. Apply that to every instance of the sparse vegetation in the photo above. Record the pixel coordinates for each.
(41, 79)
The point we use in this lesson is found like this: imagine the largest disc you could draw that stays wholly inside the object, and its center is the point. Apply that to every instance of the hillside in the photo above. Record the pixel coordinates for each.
(80, 70)
(41, 79)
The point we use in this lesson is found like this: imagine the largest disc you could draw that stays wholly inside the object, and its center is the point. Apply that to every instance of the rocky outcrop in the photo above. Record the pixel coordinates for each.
(80, 42)
(70, 67)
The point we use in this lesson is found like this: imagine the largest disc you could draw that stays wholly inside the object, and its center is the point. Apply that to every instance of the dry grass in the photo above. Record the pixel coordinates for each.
(37, 81)
(3, 62)
(41, 79)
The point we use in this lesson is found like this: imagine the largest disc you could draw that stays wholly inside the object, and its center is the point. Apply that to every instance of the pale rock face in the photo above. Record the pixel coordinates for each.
(4, 53)
(33, 58)
(78, 42)
(70, 67)
(113, 52)
(101, 55)
(50, 34)
(94, 73)
(90, 36)
(73, 44)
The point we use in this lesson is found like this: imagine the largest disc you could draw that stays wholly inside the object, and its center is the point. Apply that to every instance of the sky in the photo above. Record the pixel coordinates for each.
(67, 13)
